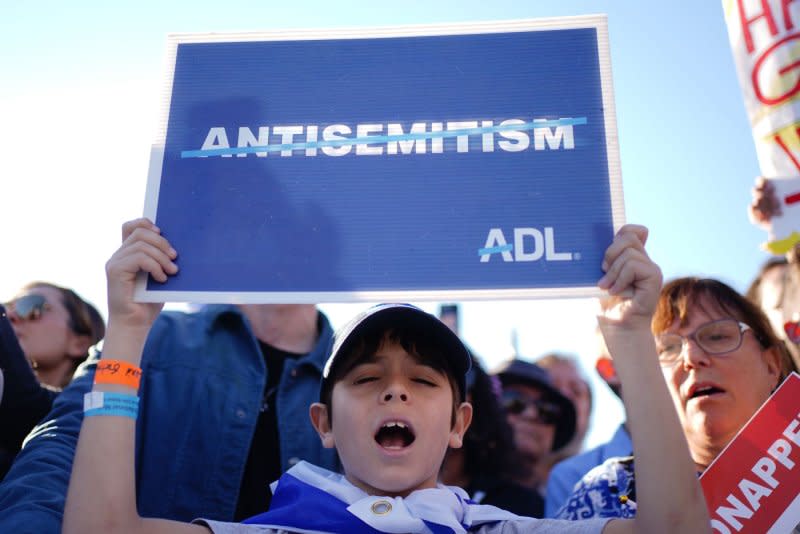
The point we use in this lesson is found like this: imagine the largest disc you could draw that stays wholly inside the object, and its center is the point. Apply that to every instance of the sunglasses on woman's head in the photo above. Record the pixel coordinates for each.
(28, 307)
(547, 412)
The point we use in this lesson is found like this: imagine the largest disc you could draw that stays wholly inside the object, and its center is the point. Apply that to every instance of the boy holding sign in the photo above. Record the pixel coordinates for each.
(392, 401)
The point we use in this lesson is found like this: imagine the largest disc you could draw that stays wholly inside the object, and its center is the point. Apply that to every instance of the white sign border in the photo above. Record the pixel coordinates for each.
(599, 22)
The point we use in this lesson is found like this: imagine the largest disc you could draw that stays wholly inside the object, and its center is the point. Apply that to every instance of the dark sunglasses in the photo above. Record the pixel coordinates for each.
(547, 412)
(28, 307)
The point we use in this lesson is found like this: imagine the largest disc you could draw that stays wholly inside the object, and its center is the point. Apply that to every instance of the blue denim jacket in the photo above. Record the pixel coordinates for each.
(203, 378)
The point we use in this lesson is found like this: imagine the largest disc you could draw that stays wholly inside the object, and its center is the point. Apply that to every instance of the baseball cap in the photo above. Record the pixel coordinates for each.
(518, 371)
(384, 317)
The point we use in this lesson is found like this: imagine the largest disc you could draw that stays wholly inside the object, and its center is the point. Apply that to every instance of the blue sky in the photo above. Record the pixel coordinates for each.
(80, 96)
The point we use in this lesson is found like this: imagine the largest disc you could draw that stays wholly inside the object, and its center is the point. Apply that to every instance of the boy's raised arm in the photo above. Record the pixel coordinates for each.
(102, 492)
(669, 497)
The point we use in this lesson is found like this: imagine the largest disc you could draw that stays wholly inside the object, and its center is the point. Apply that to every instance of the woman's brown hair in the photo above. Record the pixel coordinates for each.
(682, 295)
(84, 319)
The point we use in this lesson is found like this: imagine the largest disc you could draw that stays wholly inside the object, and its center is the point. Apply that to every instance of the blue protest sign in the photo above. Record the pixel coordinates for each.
(434, 162)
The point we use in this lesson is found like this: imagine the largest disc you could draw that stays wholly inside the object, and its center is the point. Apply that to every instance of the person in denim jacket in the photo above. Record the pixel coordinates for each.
(206, 401)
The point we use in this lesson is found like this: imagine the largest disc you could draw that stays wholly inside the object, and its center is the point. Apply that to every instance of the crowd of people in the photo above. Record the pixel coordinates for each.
(222, 419)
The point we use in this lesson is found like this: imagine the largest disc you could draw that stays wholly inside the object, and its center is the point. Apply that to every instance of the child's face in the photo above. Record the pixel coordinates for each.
(392, 422)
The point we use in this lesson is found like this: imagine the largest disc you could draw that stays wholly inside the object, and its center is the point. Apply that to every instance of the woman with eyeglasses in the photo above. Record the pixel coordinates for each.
(720, 359)
(45, 333)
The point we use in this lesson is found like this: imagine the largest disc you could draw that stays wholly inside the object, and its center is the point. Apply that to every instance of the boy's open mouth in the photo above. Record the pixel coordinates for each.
(394, 435)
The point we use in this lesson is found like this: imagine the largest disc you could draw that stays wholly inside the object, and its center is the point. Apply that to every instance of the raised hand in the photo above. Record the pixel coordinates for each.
(765, 204)
(143, 249)
(663, 464)
(631, 278)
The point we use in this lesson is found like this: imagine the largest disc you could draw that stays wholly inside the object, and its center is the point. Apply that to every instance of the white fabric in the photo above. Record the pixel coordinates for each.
(520, 526)
(443, 505)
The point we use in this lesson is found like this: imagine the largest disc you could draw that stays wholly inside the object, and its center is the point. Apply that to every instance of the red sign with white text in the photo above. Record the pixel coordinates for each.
(753, 486)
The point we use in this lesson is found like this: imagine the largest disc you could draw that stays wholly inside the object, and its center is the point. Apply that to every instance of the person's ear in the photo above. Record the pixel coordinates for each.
(320, 418)
(78, 346)
(463, 420)
(772, 358)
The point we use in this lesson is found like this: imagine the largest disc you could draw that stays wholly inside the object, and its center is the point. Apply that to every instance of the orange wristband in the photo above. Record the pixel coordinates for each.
(117, 372)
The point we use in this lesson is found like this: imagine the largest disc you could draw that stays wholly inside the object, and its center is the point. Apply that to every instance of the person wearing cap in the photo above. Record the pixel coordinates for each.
(390, 403)
(487, 464)
(543, 419)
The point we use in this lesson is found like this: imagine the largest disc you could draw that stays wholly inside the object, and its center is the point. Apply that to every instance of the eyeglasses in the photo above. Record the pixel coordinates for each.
(547, 412)
(29, 307)
(716, 337)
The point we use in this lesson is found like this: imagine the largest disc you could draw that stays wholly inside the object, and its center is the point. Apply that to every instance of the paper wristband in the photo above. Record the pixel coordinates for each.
(117, 372)
(107, 403)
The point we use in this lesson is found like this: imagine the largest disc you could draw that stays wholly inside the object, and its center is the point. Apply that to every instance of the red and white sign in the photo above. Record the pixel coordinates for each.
(764, 36)
(765, 39)
(753, 486)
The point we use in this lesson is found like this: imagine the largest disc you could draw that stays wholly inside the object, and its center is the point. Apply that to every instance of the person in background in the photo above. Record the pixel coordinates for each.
(566, 375)
(450, 316)
(235, 381)
(55, 328)
(720, 359)
(46, 331)
(567, 473)
(542, 418)
(776, 288)
(767, 291)
(487, 463)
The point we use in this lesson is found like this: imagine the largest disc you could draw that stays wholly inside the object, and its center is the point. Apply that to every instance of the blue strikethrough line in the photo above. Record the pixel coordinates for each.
(382, 138)
(495, 250)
